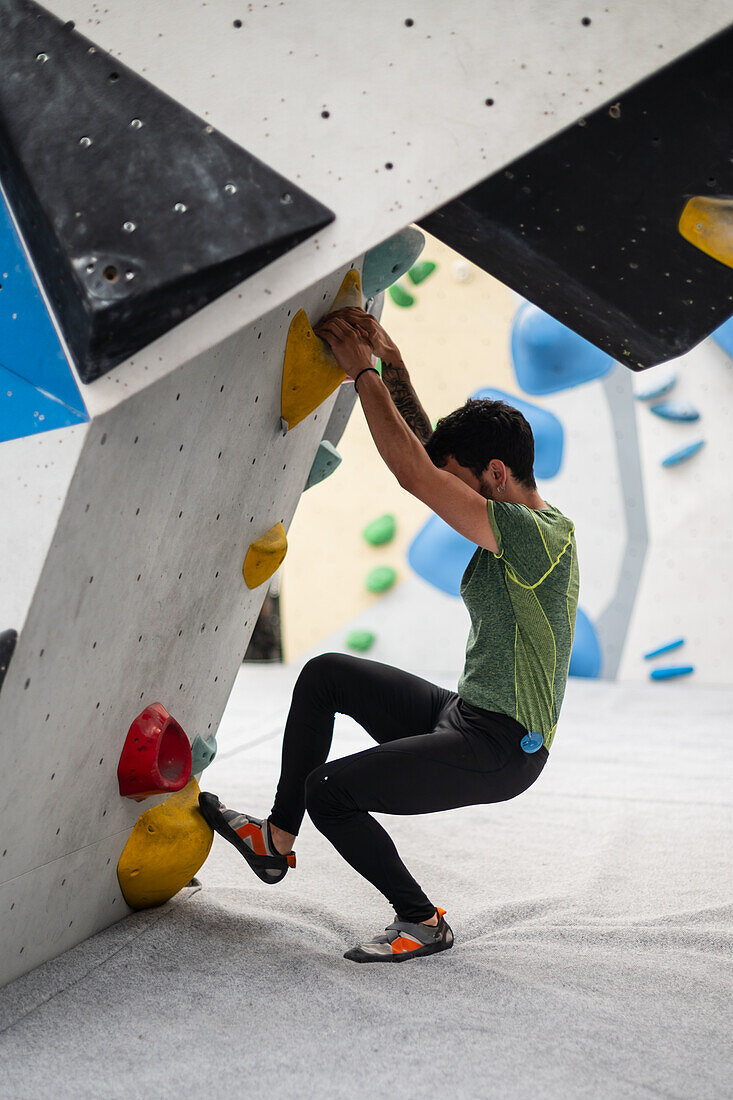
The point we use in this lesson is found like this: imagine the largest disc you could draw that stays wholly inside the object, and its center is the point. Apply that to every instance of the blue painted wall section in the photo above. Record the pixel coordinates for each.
(38, 391)
(548, 356)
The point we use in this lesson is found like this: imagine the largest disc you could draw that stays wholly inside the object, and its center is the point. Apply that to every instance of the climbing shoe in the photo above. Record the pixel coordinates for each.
(250, 836)
(404, 940)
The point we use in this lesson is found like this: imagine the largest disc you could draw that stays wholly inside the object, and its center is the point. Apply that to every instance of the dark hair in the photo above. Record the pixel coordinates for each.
(481, 430)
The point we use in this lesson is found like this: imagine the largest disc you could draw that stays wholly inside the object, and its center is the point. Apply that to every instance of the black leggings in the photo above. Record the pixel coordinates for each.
(435, 752)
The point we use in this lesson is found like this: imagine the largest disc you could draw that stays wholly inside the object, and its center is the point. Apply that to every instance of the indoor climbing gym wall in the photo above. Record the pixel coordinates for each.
(202, 184)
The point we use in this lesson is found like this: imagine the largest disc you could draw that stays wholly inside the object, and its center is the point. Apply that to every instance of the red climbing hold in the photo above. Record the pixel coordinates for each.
(156, 757)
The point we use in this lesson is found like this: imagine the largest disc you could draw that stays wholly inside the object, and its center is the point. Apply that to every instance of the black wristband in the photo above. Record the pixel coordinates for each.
(362, 372)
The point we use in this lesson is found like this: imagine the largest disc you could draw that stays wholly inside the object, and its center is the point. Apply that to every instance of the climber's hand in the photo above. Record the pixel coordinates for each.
(351, 350)
(370, 329)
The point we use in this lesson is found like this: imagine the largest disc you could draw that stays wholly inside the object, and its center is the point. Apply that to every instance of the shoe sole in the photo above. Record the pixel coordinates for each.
(403, 956)
(212, 815)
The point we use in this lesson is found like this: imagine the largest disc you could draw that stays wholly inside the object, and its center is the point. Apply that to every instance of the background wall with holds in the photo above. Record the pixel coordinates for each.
(652, 539)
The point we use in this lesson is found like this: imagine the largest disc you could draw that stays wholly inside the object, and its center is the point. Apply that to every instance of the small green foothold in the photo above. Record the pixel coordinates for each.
(421, 271)
(361, 640)
(400, 296)
(381, 578)
(380, 530)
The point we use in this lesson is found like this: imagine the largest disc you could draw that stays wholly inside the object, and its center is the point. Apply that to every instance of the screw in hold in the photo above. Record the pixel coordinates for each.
(129, 227)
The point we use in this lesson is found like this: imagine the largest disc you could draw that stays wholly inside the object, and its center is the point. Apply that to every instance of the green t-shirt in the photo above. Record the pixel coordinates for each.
(522, 602)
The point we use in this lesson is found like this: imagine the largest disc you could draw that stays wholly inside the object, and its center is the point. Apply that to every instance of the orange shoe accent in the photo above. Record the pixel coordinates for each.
(291, 859)
(404, 943)
(255, 835)
(441, 912)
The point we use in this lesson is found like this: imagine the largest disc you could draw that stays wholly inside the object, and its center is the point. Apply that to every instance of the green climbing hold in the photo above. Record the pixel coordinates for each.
(361, 640)
(380, 530)
(381, 578)
(400, 296)
(418, 273)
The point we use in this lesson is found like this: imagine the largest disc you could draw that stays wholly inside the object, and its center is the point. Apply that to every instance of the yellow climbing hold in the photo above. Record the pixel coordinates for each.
(310, 370)
(349, 292)
(707, 223)
(264, 556)
(165, 849)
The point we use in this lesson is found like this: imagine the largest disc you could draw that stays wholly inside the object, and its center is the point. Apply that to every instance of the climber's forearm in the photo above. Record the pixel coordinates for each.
(398, 445)
(397, 380)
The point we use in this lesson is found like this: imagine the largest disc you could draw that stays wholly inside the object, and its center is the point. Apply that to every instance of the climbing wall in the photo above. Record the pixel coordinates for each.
(168, 306)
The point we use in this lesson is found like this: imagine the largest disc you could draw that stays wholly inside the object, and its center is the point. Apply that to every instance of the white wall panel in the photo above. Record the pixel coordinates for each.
(141, 597)
(35, 472)
(413, 97)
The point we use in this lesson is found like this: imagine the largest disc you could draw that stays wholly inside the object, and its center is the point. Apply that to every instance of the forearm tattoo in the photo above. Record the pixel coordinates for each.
(406, 401)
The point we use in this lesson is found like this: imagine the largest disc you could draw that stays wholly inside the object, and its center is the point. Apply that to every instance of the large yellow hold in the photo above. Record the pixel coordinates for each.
(707, 223)
(166, 848)
(310, 370)
(265, 555)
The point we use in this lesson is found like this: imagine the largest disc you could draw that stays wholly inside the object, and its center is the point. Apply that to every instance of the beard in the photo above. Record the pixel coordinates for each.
(486, 490)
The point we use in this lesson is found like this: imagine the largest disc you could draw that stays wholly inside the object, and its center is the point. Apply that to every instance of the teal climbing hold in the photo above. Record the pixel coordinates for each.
(671, 673)
(325, 462)
(659, 389)
(389, 261)
(418, 273)
(381, 578)
(401, 297)
(675, 410)
(380, 530)
(361, 640)
(666, 648)
(683, 454)
(202, 753)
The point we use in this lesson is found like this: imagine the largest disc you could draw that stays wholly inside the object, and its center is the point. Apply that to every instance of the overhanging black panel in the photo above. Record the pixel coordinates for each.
(585, 226)
(137, 213)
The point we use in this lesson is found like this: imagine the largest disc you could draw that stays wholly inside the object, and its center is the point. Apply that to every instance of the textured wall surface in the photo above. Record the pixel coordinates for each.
(140, 599)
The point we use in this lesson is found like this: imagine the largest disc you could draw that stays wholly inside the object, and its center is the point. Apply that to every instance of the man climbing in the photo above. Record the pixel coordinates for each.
(436, 749)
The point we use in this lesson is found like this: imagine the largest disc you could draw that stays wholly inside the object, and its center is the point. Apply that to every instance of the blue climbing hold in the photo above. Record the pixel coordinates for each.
(547, 430)
(683, 454)
(664, 649)
(439, 554)
(659, 389)
(531, 742)
(38, 391)
(548, 356)
(675, 410)
(389, 261)
(723, 336)
(671, 673)
(586, 657)
(202, 753)
(324, 463)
